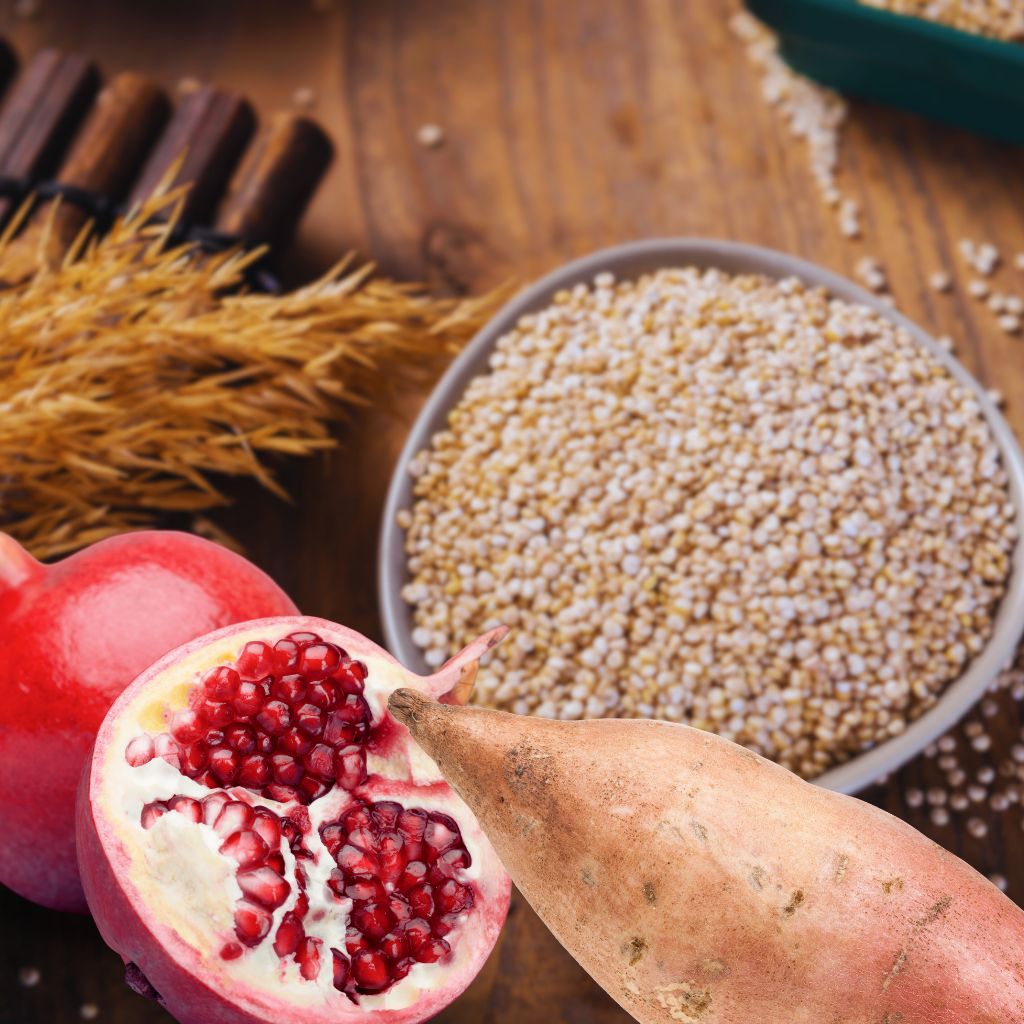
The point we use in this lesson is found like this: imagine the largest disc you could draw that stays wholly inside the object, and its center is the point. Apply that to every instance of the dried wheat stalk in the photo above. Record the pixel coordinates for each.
(132, 376)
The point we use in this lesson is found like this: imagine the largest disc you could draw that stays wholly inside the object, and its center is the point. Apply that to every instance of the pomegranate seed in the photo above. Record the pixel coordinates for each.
(350, 766)
(294, 742)
(235, 817)
(385, 813)
(333, 837)
(336, 883)
(214, 738)
(316, 661)
(399, 907)
(442, 925)
(401, 968)
(186, 726)
(186, 807)
(286, 769)
(416, 932)
(394, 947)
(312, 789)
(303, 638)
(166, 746)
(449, 864)
(240, 737)
(370, 971)
(357, 817)
(363, 838)
(264, 743)
(276, 861)
(216, 714)
(213, 805)
(412, 823)
(231, 951)
(281, 793)
(264, 885)
(432, 951)
(152, 811)
(415, 872)
(322, 695)
(291, 689)
(347, 679)
(359, 669)
(341, 968)
(249, 699)
(248, 848)
(256, 660)
(356, 861)
(266, 826)
(254, 771)
(302, 903)
(221, 683)
(275, 717)
(224, 764)
(252, 922)
(320, 762)
(309, 718)
(139, 751)
(453, 897)
(441, 833)
(289, 934)
(193, 760)
(286, 655)
(421, 899)
(354, 941)
(308, 957)
(366, 889)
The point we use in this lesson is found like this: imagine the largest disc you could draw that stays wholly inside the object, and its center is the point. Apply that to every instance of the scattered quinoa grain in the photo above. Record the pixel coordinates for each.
(430, 136)
(29, 976)
(940, 281)
(88, 1011)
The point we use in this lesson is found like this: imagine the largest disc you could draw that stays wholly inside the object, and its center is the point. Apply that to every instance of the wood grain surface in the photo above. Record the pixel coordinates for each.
(566, 126)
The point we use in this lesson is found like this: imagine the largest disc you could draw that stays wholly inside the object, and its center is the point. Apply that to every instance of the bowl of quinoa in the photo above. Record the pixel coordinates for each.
(713, 484)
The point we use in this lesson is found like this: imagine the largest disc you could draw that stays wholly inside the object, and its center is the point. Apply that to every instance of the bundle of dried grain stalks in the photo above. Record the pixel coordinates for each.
(135, 374)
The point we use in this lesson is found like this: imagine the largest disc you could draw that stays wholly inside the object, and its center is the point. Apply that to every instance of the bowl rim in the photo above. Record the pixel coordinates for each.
(630, 260)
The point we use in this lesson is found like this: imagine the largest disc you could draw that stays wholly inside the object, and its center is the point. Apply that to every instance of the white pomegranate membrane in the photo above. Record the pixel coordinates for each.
(276, 807)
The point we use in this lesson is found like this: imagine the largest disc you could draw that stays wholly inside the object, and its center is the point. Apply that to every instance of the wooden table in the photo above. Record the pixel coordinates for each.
(567, 127)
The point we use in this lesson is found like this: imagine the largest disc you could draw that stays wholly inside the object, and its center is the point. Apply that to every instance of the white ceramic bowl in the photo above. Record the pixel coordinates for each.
(629, 261)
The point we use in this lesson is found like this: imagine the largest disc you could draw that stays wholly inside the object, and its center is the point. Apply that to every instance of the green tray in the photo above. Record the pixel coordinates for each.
(971, 81)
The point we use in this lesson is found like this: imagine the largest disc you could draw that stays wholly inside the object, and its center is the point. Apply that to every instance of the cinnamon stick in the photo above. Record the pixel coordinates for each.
(275, 181)
(121, 127)
(39, 118)
(207, 133)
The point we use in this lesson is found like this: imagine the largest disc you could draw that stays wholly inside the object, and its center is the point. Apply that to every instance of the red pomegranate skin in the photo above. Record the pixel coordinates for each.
(73, 635)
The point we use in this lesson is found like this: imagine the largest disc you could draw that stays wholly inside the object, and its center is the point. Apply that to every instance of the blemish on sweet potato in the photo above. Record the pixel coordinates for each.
(757, 878)
(650, 895)
(935, 911)
(898, 964)
(700, 832)
(634, 949)
(686, 1002)
(891, 884)
(794, 901)
(714, 967)
(588, 878)
(839, 871)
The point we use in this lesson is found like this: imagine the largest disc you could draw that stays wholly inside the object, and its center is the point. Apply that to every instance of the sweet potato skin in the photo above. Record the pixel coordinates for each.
(700, 883)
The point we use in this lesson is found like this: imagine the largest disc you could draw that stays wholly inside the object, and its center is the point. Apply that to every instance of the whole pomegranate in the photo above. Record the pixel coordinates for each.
(72, 636)
(261, 841)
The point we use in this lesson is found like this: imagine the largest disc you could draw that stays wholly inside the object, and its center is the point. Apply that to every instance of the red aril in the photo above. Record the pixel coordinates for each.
(72, 636)
(292, 857)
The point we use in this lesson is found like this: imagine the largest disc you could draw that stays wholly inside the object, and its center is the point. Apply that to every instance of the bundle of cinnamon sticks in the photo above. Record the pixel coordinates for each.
(84, 150)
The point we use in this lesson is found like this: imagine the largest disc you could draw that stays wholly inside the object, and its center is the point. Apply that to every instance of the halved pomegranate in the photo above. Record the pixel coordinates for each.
(261, 841)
